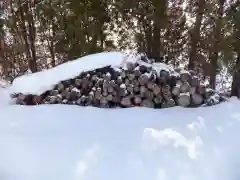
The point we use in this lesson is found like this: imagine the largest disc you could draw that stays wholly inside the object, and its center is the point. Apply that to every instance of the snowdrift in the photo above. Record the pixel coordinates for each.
(59, 142)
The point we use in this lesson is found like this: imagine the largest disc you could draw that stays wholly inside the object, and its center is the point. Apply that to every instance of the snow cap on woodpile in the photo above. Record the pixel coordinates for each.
(39, 82)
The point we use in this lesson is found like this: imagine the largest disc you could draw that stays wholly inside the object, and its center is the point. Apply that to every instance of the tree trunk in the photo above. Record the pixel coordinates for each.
(2, 46)
(215, 48)
(24, 31)
(52, 46)
(235, 91)
(148, 33)
(29, 34)
(236, 74)
(158, 24)
(32, 37)
(195, 34)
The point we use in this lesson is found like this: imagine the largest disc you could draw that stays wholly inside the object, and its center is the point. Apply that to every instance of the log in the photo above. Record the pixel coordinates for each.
(126, 82)
(184, 99)
(126, 102)
(20, 101)
(149, 69)
(88, 102)
(123, 74)
(130, 88)
(72, 102)
(66, 83)
(136, 89)
(209, 92)
(103, 101)
(147, 103)
(176, 90)
(149, 95)
(64, 101)
(192, 73)
(193, 90)
(122, 90)
(143, 69)
(78, 82)
(143, 91)
(59, 98)
(54, 92)
(137, 100)
(105, 93)
(108, 77)
(116, 100)
(76, 92)
(166, 91)
(150, 85)
(94, 89)
(88, 76)
(195, 81)
(131, 66)
(197, 99)
(109, 97)
(99, 83)
(82, 100)
(179, 83)
(154, 75)
(52, 99)
(164, 74)
(115, 93)
(105, 85)
(85, 83)
(65, 93)
(37, 100)
(168, 103)
(135, 82)
(98, 94)
(143, 79)
(156, 89)
(110, 89)
(90, 85)
(185, 87)
(137, 72)
(185, 76)
(131, 77)
(119, 80)
(91, 96)
(21, 97)
(60, 87)
(201, 89)
(213, 100)
(177, 70)
(94, 78)
(113, 83)
(157, 100)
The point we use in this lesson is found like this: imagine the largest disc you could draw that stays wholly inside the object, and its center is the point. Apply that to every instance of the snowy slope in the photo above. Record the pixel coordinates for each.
(60, 142)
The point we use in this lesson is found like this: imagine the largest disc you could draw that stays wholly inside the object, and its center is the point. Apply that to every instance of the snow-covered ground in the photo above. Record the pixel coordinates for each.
(61, 142)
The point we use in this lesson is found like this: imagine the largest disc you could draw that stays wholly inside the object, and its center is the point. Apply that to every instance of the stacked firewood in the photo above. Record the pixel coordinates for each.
(136, 85)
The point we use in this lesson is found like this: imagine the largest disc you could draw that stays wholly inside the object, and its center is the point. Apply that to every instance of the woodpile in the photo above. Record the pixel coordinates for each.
(139, 84)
